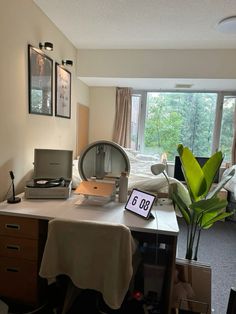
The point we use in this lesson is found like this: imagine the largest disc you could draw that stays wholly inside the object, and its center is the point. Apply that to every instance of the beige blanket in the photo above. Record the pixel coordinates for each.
(94, 255)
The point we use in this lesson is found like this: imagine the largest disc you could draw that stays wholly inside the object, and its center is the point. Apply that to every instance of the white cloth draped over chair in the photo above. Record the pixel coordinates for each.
(94, 255)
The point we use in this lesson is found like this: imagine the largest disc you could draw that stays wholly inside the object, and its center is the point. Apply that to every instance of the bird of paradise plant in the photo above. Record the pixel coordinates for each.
(201, 208)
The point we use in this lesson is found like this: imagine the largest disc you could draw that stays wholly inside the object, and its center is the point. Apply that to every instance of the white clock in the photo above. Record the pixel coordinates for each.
(140, 203)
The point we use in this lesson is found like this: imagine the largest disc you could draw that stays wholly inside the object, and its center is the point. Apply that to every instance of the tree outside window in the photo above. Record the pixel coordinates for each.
(184, 117)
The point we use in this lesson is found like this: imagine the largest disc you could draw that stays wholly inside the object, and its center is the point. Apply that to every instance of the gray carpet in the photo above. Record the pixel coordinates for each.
(217, 248)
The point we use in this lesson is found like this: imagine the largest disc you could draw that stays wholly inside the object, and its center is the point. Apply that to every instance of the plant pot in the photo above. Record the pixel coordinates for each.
(192, 287)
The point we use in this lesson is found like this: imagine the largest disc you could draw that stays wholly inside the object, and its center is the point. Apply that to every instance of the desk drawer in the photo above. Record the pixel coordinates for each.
(18, 226)
(19, 248)
(19, 280)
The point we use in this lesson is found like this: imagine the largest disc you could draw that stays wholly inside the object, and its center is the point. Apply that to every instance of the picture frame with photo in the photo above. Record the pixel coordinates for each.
(40, 82)
(62, 92)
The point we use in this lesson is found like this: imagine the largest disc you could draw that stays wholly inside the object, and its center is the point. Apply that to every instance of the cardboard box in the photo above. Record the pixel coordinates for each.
(192, 287)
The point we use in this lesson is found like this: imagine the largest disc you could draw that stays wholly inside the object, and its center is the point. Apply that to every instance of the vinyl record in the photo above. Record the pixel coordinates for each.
(45, 183)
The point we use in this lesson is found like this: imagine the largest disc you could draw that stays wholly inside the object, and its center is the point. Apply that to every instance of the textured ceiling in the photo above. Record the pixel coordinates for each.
(142, 24)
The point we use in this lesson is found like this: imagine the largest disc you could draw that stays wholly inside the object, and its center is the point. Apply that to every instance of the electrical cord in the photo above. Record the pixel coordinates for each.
(156, 244)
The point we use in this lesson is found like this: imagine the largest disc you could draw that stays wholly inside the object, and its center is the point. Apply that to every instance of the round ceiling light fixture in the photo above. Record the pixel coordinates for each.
(227, 25)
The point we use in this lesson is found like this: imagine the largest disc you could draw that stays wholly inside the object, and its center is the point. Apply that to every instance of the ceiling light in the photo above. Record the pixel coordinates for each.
(47, 46)
(227, 25)
(67, 62)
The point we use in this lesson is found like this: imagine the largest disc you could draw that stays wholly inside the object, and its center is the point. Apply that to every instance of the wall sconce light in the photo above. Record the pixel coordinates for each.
(47, 46)
(67, 62)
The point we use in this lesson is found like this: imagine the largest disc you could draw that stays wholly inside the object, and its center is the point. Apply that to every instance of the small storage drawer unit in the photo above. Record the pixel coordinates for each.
(21, 246)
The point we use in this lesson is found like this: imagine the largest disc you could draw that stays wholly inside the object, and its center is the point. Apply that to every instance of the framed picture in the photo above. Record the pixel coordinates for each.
(63, 92)
(40, 71)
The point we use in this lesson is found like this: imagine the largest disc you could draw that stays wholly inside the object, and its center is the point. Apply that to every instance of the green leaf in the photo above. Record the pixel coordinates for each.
(182, 207)
(206, 210)
(209, 215)
(193, 173)
(208, 205)
(220, 216)
(211, 167)
(221, 184)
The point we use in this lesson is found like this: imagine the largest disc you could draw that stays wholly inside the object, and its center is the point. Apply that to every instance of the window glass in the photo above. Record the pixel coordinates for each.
(227, 129)
(179, 117)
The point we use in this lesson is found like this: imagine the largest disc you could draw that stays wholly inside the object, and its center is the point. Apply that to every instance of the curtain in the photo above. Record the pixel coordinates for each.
(122, 125)
(233, 156)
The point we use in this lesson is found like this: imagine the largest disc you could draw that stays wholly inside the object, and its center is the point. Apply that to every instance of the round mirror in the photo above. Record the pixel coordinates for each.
(103, 160)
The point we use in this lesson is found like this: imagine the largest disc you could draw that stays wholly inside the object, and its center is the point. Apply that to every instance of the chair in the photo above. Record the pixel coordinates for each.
(93, 255)
(231, 308)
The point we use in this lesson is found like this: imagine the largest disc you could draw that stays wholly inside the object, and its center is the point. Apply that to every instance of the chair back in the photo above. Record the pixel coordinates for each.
(94, 255)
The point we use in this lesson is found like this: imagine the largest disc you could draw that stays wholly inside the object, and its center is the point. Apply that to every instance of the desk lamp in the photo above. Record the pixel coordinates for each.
(159, 168)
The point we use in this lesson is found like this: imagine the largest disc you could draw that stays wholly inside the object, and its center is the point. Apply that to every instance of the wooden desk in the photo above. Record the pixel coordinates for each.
(164, 227)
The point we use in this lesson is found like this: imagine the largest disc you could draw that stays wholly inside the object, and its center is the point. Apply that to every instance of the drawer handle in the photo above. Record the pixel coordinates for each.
(13, 247)
(13, 270)
(12, 226)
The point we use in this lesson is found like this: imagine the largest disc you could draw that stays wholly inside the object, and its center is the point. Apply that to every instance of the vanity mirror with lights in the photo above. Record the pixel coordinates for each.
(103, 160)
(100, 166)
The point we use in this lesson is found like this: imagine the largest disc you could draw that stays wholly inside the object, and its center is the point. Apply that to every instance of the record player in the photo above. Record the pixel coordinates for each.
(52, 174)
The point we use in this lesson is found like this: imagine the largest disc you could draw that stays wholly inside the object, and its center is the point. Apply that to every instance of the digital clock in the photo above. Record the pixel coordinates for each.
(140, 203)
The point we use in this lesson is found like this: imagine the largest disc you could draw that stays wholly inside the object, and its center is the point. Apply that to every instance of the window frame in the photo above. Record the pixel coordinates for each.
(217, 120)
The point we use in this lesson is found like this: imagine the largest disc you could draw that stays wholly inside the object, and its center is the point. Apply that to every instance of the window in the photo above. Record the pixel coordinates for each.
(227, 128)
(162, 120)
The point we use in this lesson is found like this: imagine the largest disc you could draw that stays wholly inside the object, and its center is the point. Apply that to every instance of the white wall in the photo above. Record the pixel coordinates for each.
(217, 64)
(83, 93)
(102, 113)
(23, 23)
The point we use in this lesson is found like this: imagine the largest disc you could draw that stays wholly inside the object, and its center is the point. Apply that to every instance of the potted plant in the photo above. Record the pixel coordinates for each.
(200, 206)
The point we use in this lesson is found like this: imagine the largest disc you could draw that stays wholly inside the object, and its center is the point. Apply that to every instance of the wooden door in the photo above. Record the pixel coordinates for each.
(82, 128)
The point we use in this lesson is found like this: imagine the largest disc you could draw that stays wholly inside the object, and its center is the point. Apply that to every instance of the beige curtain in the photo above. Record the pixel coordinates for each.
(122, 125)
